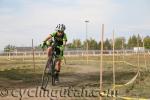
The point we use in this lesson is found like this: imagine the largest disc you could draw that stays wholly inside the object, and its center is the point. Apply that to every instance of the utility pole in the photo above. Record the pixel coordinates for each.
(87, 46)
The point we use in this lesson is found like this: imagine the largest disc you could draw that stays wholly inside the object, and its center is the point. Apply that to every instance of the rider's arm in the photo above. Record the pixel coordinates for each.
(64, 43)
(49, 37)
(64, 40)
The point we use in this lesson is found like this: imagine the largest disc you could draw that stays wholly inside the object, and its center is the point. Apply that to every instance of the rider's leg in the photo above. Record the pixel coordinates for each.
(58, 61)
(58, 65)
(49, 51)
(57, 68)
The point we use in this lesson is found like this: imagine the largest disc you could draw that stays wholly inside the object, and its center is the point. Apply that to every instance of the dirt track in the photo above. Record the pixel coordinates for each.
(82, 76)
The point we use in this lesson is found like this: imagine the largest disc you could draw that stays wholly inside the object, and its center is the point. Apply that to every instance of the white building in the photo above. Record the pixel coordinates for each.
(140, 49)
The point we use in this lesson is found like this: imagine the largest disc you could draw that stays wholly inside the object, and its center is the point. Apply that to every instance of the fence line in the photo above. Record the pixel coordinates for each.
(73, 53)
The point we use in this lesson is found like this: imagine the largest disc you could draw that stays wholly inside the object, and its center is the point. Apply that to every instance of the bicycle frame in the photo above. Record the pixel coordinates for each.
(51, 65)
(53, 62)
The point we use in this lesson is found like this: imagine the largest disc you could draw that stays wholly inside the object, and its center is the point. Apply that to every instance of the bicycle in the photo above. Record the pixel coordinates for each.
(50, 69)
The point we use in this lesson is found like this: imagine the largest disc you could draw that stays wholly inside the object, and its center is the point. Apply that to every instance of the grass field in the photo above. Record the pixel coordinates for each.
(19, 72)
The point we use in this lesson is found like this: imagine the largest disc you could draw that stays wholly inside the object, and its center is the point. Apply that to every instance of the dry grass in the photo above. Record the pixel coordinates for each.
(19, 73)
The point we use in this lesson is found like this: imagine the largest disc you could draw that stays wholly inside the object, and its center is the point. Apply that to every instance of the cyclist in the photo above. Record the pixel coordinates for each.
(60, 40)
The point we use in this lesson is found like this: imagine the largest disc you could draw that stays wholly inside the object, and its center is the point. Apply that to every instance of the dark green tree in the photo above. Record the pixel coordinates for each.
(92, 44)
(132, 42)
(107, 44)
(9, 48)
(77, 43)
(139, 40)
(119, 42)
(147, 42)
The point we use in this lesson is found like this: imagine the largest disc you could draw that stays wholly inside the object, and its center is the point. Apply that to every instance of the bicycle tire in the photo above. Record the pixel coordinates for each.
(53, 72)
(45, 76)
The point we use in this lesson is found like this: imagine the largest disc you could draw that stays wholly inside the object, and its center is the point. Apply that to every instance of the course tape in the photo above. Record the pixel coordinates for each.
(126, 84)
(130, 81)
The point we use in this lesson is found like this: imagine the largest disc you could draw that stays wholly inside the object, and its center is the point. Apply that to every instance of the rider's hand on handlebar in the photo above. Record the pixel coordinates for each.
(43, 45)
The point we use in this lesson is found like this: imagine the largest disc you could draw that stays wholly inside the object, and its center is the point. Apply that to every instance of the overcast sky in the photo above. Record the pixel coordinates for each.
(22, 20)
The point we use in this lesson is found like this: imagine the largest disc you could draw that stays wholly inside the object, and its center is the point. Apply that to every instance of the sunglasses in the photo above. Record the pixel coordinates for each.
(60, 31)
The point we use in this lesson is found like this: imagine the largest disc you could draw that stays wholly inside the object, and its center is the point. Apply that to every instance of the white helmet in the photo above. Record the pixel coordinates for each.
(60, 27)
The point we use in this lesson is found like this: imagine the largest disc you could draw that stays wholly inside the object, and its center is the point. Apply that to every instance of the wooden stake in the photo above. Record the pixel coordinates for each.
(144, 54)
(138, 65)
(138, 50)
(9, 55)
(114, 64)
(101, 60)
(87, 55)
(33, 55)
(123, 50)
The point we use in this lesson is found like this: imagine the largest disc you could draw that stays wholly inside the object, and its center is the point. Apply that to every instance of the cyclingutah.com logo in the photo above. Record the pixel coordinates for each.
(63, 92)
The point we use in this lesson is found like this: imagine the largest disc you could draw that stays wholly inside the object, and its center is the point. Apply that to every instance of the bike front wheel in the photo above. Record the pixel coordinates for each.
(45, 76)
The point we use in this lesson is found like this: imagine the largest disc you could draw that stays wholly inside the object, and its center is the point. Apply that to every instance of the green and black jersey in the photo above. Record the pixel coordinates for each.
(59, 39)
